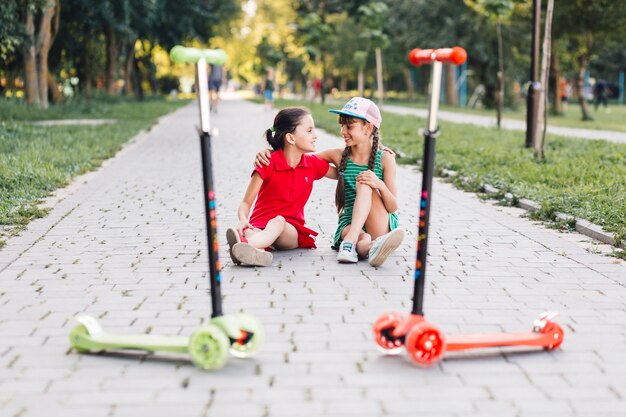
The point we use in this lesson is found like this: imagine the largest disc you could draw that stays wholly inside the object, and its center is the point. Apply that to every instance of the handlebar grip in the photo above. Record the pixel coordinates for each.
(456, 56)
(181, 54)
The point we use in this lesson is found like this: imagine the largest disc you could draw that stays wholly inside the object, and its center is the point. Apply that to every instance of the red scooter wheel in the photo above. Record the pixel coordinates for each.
(557, 334)
(383, 333)
(425, 344)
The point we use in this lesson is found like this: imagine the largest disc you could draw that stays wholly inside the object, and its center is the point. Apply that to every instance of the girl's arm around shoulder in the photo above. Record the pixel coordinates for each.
(388, 162)
(331, 155)
(322, 167)
(332, 173)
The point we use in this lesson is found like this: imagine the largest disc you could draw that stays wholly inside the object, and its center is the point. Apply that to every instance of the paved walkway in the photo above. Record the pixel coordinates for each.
(128, 247)
(512, 124)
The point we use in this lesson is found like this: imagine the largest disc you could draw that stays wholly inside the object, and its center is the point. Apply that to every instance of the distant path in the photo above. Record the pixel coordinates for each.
(487, 121)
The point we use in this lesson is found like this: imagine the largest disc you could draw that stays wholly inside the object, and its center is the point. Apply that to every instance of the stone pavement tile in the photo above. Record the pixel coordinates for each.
(160, 410)
(601, 407)
(545, 408)
(246, 409)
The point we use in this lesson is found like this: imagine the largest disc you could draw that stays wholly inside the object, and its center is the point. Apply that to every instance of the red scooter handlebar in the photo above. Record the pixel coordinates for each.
(456, 56)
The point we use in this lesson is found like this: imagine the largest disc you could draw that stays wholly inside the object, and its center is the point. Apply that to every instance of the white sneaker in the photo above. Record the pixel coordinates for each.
(232, 237)
(383, 246)
(249, 255)
(347, 253)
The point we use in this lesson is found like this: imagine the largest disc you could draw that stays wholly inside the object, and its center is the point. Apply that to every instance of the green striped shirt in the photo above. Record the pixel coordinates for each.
(350, 174)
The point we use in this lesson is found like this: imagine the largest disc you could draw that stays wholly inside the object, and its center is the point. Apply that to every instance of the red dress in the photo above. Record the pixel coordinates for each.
(285, 191)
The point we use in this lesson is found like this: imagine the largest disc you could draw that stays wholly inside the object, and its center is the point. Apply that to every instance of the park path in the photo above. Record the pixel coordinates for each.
(128, 246)
(512, 124)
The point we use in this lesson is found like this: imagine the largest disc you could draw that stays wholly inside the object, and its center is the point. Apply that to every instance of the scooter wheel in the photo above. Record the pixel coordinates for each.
(251, 336)
(77, 336)
(557, 333)
(383, 333)
(425, 344)
(208, 347)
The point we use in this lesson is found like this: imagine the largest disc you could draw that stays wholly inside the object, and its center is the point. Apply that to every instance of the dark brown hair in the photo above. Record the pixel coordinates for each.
(340, 195)
(286, 121)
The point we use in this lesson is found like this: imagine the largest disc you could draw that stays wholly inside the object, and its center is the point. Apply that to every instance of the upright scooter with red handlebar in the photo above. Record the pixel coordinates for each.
(424, 342)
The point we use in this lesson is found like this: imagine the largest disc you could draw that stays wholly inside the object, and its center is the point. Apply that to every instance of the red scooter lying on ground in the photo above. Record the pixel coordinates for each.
(424, 342)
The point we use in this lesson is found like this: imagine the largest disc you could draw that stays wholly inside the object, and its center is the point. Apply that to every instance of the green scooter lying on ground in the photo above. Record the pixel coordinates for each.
(209, 345)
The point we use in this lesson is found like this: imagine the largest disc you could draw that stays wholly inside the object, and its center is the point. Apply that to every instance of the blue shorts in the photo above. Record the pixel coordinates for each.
(269, 95)
(214, 85)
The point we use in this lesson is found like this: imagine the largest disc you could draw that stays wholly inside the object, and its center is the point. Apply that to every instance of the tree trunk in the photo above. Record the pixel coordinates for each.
(580, 86)
(379, 76)
(583, 60)
(361, 81)
(112, 55)
(53, 88)
(555, 82)
(451, 95)
(343, 83)
(323, 79)
(138, 80)
(87, 81)
(499, 97)
(152, 76)
(500, 76)
(540, 135)
(45, 41)
(128, 71)
(410, 87)
(31, 85)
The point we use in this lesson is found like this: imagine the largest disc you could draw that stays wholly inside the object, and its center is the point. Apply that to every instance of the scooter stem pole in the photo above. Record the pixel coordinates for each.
(209, 194)
(430, 136)
(203, 95)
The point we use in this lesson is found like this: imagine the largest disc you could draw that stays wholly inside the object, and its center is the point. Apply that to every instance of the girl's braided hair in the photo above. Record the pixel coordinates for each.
(340, 195)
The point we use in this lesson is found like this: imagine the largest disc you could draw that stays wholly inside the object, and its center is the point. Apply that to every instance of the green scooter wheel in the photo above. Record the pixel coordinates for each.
(78, 335)
(251, 336)
(208, 347)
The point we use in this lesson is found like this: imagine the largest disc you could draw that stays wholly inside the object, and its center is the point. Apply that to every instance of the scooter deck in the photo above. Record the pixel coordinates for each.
(475, 341)
(143, 342)
(89, 335)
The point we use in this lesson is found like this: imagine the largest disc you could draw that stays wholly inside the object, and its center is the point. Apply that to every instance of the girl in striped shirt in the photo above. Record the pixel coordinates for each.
(366, 191)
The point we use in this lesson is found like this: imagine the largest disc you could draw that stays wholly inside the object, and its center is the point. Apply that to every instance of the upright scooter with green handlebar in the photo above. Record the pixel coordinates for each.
(209, 345)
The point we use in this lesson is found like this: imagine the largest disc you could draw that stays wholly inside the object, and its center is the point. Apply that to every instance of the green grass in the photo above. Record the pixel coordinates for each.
(36, 160)
(610, 118)
(583, 178)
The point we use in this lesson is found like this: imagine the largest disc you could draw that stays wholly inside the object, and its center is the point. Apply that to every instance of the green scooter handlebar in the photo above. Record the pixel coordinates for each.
(181, 54)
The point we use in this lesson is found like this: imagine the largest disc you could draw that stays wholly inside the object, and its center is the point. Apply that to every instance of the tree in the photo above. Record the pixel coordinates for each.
(540, 135)
(317, 35)
(11, 29)
(36, 47)
(426, 24)
(499, 12)
(317, 31)
(371, 18)
(588, 25)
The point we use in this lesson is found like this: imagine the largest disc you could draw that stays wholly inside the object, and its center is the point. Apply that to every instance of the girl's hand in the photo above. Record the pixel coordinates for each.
(262, 158)
(386, 149)
(242, 226)
(369, 178)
